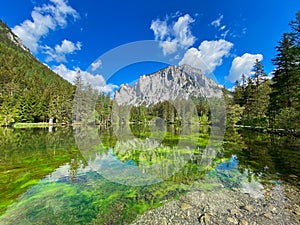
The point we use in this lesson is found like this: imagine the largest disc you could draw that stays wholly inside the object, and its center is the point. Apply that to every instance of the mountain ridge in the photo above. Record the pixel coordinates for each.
(170, 83)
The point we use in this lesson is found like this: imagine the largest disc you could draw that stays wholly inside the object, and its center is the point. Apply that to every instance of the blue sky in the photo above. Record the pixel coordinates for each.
(223, 38)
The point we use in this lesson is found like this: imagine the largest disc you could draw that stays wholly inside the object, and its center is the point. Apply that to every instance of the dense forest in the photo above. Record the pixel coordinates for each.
(31, 92)
(275, 103)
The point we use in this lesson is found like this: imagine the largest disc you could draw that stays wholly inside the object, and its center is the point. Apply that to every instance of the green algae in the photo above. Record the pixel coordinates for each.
(45, 178)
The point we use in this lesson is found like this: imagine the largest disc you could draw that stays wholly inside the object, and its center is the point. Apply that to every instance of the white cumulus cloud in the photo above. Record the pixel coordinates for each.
(160, 29)
(208, 56)
(242, 65)
(67, 47)
(59, 52)
(168, 47)
(45, 18)
(97, 81)
(183, 32)
(173, 36)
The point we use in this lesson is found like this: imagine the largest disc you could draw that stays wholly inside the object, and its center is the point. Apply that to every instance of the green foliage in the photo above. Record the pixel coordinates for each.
(239, 94)
(287, 118)
(103, 108)
(283, 85)
(170, 112)
(274, 103)
(84, 103)
(285, 96)
(234, 114)
(256, 109)
(30, 91)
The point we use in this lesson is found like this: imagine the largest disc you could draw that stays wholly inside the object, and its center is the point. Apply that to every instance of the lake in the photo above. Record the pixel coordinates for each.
(98, 175)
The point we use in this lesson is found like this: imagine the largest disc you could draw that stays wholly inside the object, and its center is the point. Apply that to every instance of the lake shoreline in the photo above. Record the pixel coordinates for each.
(280, 132)
(279, 205)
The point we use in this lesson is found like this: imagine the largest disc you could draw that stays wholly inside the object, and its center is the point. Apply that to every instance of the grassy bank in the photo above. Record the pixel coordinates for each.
(31, 125)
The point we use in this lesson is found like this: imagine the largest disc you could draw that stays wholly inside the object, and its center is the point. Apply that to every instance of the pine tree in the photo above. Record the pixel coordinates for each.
(285, 96)
(295, 78)
(295, 25)
(285, 68)
(238, 94)
(244, 83)
(249, 91)
(259, 73)
(78, 111)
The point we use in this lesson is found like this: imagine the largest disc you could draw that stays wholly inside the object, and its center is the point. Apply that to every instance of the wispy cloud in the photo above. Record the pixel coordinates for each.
(96, 65)
(59, 52)
(223, 31)
(97, 81)
(224, 34)
(174, 36)
(217, 22)
(242, 65)
(45, 18)
(208, 56)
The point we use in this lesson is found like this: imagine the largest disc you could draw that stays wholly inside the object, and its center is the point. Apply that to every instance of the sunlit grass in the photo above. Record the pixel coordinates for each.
(31, 125)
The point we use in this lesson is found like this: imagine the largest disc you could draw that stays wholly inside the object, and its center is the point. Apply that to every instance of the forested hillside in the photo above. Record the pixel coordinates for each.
(30, 92)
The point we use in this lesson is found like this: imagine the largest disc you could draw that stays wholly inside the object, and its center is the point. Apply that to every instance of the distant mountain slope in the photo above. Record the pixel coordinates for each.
(9, 38)
(173, 82)
(29, 90)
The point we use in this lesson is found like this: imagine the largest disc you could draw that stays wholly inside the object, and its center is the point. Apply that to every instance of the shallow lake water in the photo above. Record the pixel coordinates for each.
(98, 175)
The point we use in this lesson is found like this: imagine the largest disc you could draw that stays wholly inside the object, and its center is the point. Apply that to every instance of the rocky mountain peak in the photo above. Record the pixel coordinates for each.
(170, 83)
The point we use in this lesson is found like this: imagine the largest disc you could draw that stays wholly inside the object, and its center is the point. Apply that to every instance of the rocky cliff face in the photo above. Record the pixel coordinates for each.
(171, 83)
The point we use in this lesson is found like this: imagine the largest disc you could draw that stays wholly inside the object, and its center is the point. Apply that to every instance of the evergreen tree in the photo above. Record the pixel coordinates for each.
(295, 25)
(285, 96)
(295, 78)
(257, 99)
(249, 92)
(103, 108)
(282, 87)
(259, 73)
(78, 110)
(244, 82)
(238, 94)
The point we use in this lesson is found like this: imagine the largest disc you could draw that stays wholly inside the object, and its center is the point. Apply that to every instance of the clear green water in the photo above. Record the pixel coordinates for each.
(66, 177)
